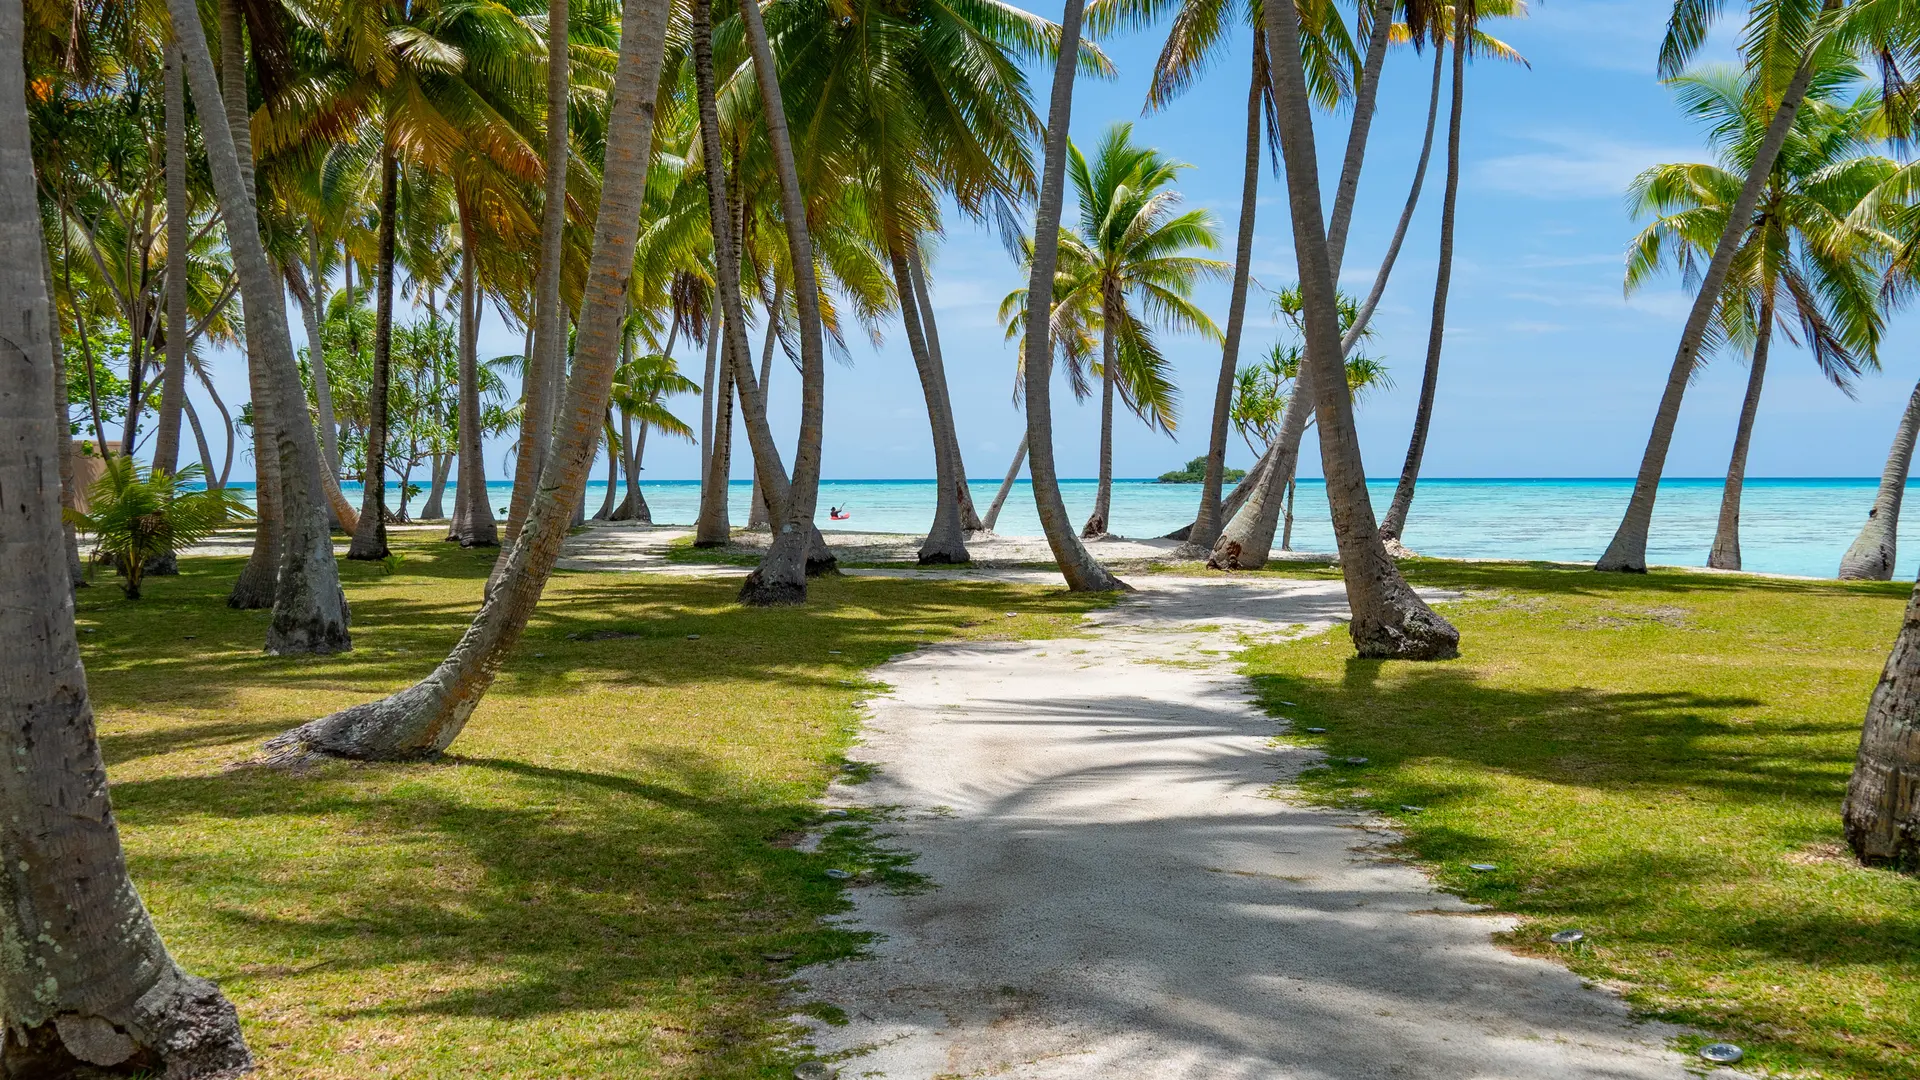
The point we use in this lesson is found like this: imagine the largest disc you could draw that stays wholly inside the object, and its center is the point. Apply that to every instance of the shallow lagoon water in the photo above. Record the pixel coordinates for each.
(1797, 526)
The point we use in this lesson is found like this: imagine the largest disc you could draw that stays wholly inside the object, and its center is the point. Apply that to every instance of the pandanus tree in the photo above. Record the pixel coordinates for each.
(1801, 262)
(423, 719)
(1388, 619)
(1199, 32)
(1786, 44)
(1130, 263)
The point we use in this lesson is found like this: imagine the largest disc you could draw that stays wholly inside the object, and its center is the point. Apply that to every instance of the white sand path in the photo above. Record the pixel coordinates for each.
(1121, 890)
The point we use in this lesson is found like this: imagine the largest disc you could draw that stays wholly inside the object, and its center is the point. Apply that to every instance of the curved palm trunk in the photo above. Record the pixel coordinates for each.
(1628, 549)
(322, 382)
(422, 720)
(547, 363)
(944, 427)
(1207, 522)
(1725, 553)
(1096, 526)
(636, 508)
(1389, 620)
(1380, 277)
(173, 381)
(1000, 498)
(1247, 541)
(309, 610)
(370, 538)
(946, 542)
(85, 977)
(759, 514)
(1364, 96)
(781, 577)
(1881, 813)
(473, 524)
(1082, 572)
(1396, 519)
(714, 526)
(605, 513)
(707, 387)
(343, 512)
(63, 428)
(438, 466)
(1871, 555)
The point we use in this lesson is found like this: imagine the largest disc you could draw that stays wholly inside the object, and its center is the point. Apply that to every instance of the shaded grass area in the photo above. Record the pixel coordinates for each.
(1657, 760)
(590, 886)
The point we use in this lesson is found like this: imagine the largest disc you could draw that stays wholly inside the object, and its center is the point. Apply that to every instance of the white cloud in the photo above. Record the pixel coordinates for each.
(1575, 166)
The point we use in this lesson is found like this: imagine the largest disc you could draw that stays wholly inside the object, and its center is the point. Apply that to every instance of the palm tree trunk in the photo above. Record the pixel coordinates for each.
(1247, 541)
(946, 543)
(226, 427)
(1389, 620)
(63, 427)
(173, 381)
(438, 467)
(550, 328)
(945, 428)
(1364, 95)
(707, 386)
(309, 609)
(1443, 279)
(1628, 549)
(1082, 573)
(605, 513)
(322, 382)
(199, 439)
(422, 720)
(759, 514)
(1380, 276)
(1096, 526)
(1871, 556)
(1236, 498)
(1725, 553)
(1286, 532)
(85, 976)
(714, 527)
(796, 551)
(1881, 813)
(473, 524)
(370, 539)
(344, 515)
(1207, 522)
(1006, 486)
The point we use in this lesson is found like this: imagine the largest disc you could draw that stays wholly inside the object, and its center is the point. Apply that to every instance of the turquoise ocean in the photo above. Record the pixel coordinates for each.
(1796, 526)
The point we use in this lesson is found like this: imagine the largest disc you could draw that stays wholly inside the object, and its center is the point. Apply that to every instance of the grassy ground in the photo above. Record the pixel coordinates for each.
(1658, 761)
(591, 886)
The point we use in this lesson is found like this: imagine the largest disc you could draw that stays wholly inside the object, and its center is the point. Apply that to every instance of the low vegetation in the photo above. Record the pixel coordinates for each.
(1656, 760)
(1195, 472)
(600, 882)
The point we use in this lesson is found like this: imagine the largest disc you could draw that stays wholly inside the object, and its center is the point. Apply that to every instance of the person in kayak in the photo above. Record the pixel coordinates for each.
(838, 514)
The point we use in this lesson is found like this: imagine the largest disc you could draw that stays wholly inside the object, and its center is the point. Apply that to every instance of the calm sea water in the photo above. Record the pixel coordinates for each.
(1787, 526)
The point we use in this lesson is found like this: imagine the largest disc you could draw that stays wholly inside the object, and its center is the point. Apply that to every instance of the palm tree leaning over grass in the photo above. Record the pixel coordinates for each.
(1388, 619)
(1133, 268)
(1786, 43)
(1464, 24)
(422, 720)
(1082, 572)
(1881, 814)
(86, 978)
(1798, 258)
(309, 608)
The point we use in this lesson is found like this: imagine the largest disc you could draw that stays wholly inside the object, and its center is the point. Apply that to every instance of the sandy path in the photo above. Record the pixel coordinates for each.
(1118, 896)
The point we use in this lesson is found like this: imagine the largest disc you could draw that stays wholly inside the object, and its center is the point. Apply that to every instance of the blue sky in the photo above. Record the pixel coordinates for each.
(1548, 369)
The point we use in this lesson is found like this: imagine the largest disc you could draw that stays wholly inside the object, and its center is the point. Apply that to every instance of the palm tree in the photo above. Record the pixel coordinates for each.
(1464, 28)
(88, 980)
(1262, 402)
(1799, 257)
(1786, 44)
(1880, 815)
(423, 719)
(1197, 35)
(1388, 619)
(640, 389)
(309, 608)
(1128, 261)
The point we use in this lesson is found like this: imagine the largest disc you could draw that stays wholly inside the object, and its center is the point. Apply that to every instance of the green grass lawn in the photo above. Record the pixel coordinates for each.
(589, 886)
(1659, 761)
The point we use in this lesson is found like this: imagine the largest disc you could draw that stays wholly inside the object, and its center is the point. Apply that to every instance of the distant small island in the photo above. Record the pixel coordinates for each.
(1196, 472)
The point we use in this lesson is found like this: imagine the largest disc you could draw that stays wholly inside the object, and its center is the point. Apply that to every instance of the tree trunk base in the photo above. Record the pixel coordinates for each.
(1398, 550)
(1225, 556)
(760, 590)
(1882, 815)
(1420, 635)
(1869, 562)
(1189, 551)
(167, 565)
(1184, 532)
(183, 1029)
(251, 590)
(1095, 528)
(929, 557)
(1723, 560)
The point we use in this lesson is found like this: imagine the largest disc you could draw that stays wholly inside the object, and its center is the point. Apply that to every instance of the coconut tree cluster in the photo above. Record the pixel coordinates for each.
(625, 183)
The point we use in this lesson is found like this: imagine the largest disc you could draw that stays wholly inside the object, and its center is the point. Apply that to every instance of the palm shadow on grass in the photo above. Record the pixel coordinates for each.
(1658, 760)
